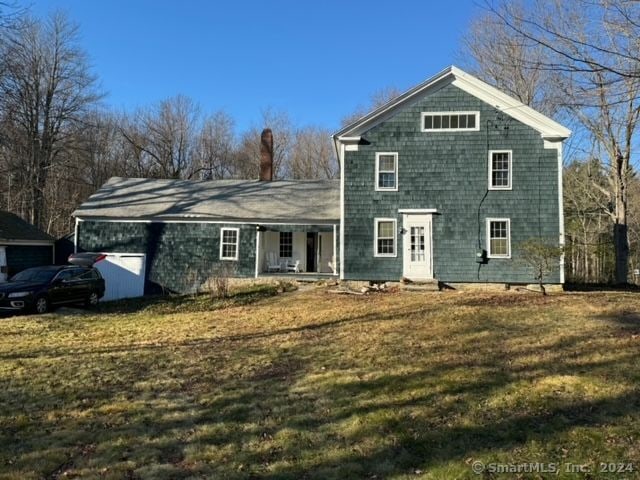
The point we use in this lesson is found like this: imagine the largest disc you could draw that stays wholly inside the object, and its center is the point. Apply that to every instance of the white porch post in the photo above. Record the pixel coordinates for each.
(335, 251)
(257, 252)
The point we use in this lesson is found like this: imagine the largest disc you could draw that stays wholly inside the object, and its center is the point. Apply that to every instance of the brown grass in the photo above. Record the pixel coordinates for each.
(315, 385)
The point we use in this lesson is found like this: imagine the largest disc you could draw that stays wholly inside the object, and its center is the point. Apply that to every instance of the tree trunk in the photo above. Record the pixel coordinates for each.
(620, 228)
(621, 243)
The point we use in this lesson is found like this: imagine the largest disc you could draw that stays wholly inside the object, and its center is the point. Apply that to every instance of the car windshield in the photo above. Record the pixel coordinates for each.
(34, 275)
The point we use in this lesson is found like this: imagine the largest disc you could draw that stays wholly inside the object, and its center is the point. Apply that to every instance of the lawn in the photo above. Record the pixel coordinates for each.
(310, 384)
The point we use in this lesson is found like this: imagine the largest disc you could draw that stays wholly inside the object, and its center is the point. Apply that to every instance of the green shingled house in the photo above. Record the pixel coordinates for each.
(442, 183)
(445, 181)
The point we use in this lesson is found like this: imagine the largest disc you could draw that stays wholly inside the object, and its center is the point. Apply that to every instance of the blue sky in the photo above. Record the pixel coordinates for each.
(316, 60)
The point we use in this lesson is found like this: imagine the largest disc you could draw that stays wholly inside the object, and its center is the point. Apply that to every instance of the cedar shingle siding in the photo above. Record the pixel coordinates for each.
(448, 171)
(179, 255)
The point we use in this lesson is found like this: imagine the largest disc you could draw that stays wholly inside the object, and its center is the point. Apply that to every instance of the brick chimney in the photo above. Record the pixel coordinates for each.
(266, 155)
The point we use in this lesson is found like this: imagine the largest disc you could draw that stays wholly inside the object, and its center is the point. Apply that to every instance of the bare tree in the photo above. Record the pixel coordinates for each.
(215, 147)
(313, 155)
(376, 100)
(46, 89)
(591, 49)
(165, 135)
(582, 36)
(511, 63)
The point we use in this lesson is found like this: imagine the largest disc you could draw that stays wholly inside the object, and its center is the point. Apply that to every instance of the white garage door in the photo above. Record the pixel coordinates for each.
(123, 275)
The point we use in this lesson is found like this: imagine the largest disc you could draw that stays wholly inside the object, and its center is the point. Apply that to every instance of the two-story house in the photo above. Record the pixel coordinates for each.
(444, 182)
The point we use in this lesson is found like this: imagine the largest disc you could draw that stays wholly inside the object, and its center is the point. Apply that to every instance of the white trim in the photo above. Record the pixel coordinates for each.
(488, 235)
(215, 222)
(237, 230)
(350, 144)
(375, 237)
(476, 113)
(418, 210)
(335, 254)
(490, 170)
(561, 240)
(377, 179)
(470, 84)
(257, 253)
(342, 170)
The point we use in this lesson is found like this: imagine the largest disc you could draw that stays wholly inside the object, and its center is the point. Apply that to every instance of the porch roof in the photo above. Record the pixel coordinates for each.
(283, 201)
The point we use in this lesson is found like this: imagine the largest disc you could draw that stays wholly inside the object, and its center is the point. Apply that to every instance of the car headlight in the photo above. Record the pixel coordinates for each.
(19, 294)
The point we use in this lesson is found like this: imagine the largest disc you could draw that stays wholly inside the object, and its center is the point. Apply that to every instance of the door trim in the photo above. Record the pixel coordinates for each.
(428, 222)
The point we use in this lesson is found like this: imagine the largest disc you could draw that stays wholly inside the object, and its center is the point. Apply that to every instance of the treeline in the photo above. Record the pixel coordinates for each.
(58, 144)
(577, 62)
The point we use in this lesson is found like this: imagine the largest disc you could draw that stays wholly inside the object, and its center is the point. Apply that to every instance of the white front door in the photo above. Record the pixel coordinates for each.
(417, 254)
(3, 264)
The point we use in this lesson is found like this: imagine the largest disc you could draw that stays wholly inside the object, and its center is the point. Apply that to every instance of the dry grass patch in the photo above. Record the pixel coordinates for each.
(314, 385)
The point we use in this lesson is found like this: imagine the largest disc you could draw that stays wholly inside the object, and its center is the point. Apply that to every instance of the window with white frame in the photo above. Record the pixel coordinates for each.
(499, 237)
(385, 237)
(229, 243)
(500, 169)
(286, 244)
(387, 171)
(450, 121)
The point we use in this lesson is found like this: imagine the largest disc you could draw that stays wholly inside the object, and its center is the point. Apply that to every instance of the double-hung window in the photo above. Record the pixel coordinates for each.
(229, 243)
(387, 171)
(500, 169)
(286, 244)
(385, 237)
(499, 237)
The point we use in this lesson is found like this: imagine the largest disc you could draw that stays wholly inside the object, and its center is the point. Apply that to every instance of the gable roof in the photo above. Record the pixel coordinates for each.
(283, 201)
(13, 228)
(548, 128)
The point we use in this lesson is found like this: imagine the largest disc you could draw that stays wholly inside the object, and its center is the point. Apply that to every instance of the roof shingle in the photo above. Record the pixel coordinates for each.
(285, 201)
(14, 228)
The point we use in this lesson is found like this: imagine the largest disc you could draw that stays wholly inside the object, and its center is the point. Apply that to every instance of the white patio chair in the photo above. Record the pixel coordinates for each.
(293, 266)
(273, 265)
(332, 265)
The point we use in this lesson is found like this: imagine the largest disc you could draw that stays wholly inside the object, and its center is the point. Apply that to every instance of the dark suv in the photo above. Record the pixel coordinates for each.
(40, 288)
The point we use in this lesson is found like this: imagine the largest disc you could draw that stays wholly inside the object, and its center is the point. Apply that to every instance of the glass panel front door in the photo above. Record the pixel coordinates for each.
(417, 244)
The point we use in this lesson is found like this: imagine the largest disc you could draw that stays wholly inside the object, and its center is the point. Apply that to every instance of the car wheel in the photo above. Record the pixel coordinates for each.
(42, 305)
(92, 300)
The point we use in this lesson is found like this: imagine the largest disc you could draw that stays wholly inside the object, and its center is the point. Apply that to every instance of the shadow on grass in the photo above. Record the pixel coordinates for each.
(166, 304)
(282, 404)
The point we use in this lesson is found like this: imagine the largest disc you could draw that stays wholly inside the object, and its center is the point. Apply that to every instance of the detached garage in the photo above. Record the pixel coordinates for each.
(22, 246)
